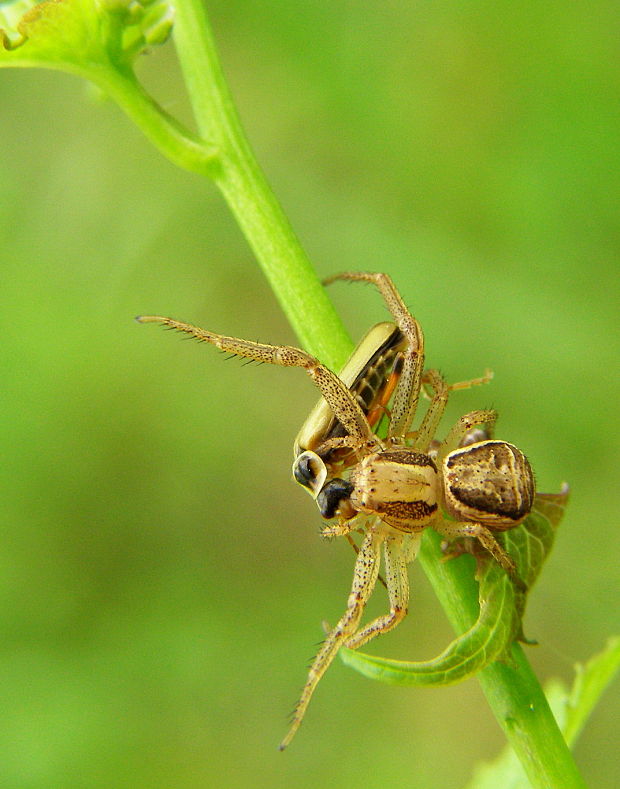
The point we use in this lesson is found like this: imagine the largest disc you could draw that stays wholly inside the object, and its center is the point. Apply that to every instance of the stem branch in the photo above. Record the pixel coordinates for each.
(176, 143)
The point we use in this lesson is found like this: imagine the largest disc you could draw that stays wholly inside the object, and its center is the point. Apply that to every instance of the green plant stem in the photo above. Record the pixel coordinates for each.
(522, 710)
(249, 196)
(512, 691)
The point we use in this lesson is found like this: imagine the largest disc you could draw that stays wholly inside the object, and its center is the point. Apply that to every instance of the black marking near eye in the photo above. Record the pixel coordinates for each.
(331, 495)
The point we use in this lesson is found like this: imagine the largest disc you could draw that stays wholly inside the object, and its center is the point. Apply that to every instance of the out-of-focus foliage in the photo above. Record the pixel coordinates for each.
(81, 35)
(163, 581)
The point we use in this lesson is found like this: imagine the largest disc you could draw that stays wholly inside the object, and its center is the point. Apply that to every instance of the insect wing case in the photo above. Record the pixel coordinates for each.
(365, 373)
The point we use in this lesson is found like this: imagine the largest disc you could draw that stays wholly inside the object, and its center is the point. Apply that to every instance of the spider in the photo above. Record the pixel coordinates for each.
(390, 488)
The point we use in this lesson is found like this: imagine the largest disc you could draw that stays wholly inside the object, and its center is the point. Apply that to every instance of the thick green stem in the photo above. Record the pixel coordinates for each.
(249, 196)
(512, 691)
(520, 706)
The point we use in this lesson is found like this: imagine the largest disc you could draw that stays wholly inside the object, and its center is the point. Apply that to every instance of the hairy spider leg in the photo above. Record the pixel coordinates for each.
(364, 579)
(439, 399)
(465, 425)
(335, 392)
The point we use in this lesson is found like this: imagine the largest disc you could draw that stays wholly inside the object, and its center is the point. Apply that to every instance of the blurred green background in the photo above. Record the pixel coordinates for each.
(162, 581)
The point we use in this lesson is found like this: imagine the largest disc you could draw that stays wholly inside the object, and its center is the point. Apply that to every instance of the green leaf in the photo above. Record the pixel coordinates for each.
(591, 680)
(501, 608)
(81, 35)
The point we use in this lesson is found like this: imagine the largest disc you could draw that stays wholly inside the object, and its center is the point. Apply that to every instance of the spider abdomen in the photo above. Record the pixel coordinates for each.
(490, 482)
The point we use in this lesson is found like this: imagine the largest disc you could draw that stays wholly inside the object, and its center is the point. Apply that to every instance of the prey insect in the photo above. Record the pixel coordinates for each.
(390, 487)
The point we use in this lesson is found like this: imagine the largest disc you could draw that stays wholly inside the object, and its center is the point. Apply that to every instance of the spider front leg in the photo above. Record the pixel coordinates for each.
(425, 433)
(364, 579)
(343, 403)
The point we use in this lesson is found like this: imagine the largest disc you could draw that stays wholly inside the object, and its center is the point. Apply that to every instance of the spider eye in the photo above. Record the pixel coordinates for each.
(331, 495)
(310, 471)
